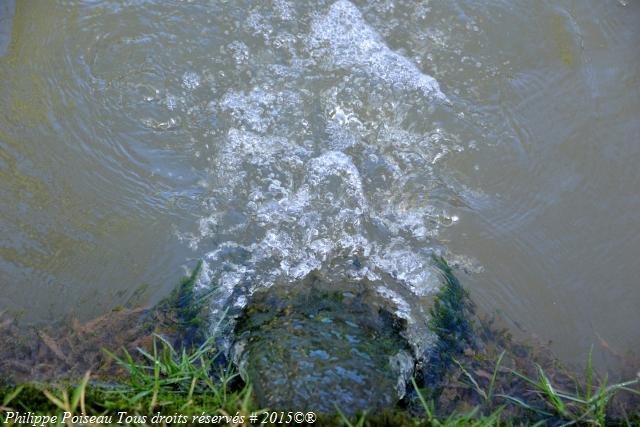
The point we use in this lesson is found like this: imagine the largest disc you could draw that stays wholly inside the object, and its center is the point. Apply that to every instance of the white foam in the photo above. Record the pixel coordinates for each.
(190, 80)
(305, 177)
(259, 109)
(352, 43)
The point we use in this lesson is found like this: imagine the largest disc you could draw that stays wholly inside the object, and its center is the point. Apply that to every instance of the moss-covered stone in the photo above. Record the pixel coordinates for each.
(319, 344)
(315, 347)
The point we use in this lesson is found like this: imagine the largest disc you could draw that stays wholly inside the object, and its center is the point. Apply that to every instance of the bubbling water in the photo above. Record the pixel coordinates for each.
(316, 168)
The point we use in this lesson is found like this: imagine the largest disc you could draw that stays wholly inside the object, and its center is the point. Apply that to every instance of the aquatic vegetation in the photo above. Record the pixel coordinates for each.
(450, 313)
(185, 310)
(451, 322)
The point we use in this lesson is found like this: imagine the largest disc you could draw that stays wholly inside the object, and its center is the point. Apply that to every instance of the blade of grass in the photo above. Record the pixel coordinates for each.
(79, 392)
(523, 404)
(494, 376)
(156, 377)
(347, 422)
(53, 399)
(475, 384)
(547, 388)
(9, 397)
(427, 408)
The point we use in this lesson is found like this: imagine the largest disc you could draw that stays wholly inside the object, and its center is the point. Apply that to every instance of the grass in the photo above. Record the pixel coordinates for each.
(164, 381)
(545, 403)
(170, 382)
(488, 394)
(585, 405)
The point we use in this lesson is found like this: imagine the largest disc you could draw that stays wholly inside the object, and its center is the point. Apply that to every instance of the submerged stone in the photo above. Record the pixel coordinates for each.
(315, 348)
(325, 344)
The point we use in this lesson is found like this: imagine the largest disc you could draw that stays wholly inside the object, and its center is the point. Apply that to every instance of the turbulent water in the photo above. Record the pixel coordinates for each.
(314, 164)
(275, 139)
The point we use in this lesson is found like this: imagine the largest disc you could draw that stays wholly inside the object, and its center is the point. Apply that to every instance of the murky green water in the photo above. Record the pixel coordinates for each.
(275, 139)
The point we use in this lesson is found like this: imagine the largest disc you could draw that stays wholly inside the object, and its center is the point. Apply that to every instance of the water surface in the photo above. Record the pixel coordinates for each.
(277, 139)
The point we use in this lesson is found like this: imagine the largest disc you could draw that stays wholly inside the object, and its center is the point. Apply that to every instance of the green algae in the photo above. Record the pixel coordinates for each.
(450, 314)
(184, 311)
(451, 322)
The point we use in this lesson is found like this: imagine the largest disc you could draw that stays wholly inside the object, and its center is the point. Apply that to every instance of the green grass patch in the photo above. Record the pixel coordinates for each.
(162, 383)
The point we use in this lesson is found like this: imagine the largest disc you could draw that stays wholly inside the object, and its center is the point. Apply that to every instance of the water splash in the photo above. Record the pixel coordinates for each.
(314, 168)
(350, 43)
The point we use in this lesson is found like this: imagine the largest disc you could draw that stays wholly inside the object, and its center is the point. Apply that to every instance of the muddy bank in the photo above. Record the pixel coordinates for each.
(67, 349)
